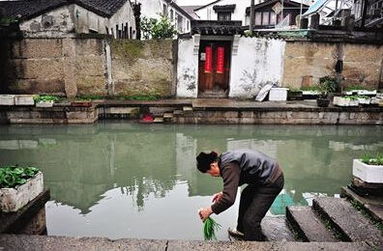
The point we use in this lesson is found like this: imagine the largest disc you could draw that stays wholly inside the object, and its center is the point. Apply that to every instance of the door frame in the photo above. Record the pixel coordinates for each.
(217, 39)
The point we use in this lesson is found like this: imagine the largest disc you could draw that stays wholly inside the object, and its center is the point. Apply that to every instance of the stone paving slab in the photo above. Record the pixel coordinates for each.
(57, 243)
(346, 219)
(308, 224)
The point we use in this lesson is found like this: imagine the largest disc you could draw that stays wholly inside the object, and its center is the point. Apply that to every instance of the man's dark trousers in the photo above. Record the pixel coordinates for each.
(255, 202)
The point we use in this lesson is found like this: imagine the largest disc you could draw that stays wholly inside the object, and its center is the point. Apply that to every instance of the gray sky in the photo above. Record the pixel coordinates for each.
(193, 2)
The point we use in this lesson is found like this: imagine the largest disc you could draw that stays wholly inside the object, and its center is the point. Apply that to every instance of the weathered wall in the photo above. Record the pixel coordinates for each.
(187, 67)
(142, 67)
(64, 66)
(362, 64)
(258, 61)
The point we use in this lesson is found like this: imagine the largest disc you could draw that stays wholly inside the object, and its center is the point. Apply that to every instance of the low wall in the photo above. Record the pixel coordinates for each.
(78, 65)
(61, 66)
(142, 67)
(362, 63)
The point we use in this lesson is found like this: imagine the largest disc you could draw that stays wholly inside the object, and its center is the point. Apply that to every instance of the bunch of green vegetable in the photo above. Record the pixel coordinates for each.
(210, 226)
(46, 98)
(373, 160)
(12, 176)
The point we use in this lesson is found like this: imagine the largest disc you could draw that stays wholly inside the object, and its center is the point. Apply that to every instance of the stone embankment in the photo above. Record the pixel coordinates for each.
(198, 111)
(330, 224)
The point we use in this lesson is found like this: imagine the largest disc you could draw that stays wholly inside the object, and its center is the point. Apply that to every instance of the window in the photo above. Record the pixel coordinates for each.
(224, 16)
(188, 25)
(265, 18)
(164, 10)
(171, 15)
(180, 23)
(273, 18)
(258, 18)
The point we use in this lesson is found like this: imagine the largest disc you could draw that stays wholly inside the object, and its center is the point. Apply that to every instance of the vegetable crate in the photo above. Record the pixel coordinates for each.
(12, 199)
(367, 173)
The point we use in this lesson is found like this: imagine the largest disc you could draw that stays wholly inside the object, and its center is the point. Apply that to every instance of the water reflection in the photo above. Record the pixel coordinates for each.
(87, 167)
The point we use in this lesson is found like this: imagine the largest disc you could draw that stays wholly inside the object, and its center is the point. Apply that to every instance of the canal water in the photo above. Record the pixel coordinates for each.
(127, 180)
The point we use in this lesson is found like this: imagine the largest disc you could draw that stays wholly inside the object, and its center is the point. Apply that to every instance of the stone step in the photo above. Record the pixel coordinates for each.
(168, 115)
(350, 223)
(308, 225)
(372, 204)
(178, 112)
(187, 109)
(158, 120)
(276, 229)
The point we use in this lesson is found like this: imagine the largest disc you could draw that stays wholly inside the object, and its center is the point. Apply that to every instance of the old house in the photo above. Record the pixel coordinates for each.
(272, 13)
(168, 8)
(60, 17)
(224, 10)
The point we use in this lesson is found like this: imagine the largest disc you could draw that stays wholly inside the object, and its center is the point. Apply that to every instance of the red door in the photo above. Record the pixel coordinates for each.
(214, 68)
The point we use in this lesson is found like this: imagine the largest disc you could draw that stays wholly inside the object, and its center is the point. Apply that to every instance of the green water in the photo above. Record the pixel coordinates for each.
(126, 180)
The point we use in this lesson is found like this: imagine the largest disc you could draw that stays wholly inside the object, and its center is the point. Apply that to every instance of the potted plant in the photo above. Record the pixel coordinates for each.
(18, 186)
(369, 169)
(45, 100)
(326, 86)
(346, 101)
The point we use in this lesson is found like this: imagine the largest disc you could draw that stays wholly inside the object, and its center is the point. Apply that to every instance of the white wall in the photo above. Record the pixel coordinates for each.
(154, 9)
(239, 14)
(62, 22)
(187, 68)
(123, 15)
(257, 62)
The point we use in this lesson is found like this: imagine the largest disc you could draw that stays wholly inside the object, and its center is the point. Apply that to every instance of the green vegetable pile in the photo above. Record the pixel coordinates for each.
(46, 98)
(210, 226)
(12, 176)
(373, 160)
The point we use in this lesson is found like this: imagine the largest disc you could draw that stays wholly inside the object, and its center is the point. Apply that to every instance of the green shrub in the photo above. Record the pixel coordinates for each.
(12, 176)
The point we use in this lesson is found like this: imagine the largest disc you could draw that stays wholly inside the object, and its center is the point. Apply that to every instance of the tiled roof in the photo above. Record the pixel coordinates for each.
(32, 8)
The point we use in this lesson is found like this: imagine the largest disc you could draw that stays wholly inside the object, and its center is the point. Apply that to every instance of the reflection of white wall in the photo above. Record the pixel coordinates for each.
(266, 146)
(186, 152)
(258, 61)
(187, 68)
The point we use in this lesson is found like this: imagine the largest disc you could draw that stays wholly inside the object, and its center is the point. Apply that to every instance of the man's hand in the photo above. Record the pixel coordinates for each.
(217, 196)
(204, 213)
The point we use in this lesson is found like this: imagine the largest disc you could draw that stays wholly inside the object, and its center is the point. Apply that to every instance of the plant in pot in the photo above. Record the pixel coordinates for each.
(326, 86)
(45, 100)
(18, 186)
(369, 168)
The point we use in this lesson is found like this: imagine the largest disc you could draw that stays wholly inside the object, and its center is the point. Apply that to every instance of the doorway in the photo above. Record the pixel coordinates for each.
(214, 68)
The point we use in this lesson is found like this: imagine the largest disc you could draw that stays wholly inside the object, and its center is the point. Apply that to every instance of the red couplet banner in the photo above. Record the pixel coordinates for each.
(220, 59)
(209, 59)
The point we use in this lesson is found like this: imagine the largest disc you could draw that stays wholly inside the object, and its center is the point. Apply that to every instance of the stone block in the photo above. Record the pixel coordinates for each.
(6, 99)
(39, 69)
(24, 100)
(37, 48)
(12, 199)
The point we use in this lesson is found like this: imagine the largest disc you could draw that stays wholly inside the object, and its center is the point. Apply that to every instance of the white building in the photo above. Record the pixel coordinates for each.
(157, 8)
(60, 17)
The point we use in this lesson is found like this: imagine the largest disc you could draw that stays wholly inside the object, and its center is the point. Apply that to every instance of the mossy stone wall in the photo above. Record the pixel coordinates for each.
(142, 67)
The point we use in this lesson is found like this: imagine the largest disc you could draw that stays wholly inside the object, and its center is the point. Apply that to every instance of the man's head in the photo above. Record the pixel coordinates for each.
(208, 163)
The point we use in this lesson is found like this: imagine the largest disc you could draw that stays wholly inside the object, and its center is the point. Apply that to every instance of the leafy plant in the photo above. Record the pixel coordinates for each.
(210, 226)
(327, 85)
(372, 160)
(157, 28)
(12, 176)
(46, 98)
(353, 97)
(358, 87)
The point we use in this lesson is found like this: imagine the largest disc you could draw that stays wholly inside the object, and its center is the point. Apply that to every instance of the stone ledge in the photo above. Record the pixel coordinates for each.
(34, 242)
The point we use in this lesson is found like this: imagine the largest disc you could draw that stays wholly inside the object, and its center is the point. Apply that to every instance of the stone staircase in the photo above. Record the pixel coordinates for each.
(169, 114)
(332, 220)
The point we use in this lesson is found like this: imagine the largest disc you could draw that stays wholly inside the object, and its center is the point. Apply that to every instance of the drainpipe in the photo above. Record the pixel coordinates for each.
(251, 26)
(110, 84)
